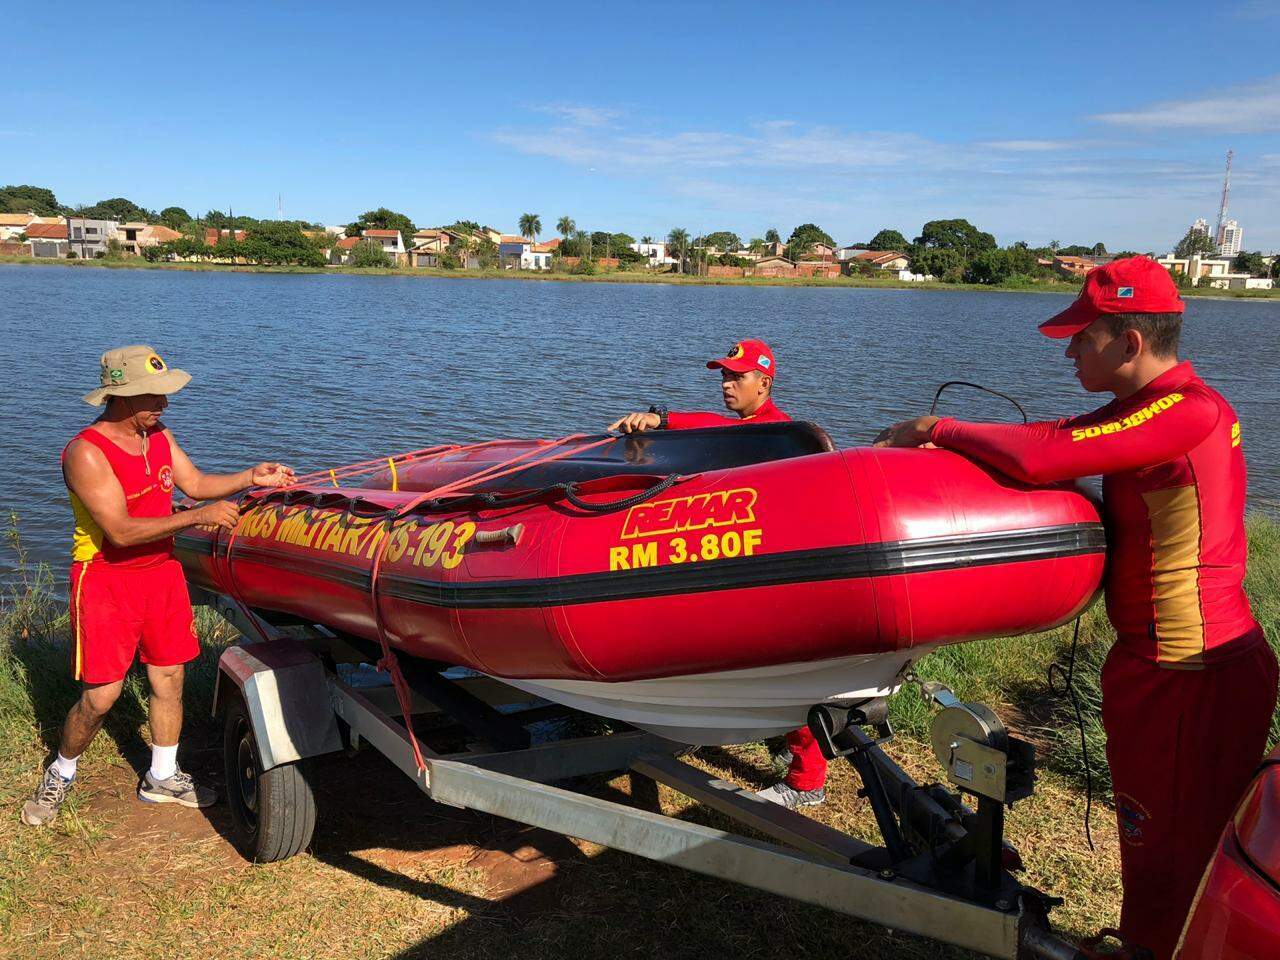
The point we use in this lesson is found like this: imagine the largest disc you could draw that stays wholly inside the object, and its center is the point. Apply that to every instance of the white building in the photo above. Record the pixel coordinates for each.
(1229, 237)
(1201, 226)
(392, 244)
(655, 253)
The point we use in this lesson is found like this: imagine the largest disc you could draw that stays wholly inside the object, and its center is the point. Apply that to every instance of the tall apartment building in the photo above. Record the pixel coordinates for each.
(1201, 226)
(1229, 237)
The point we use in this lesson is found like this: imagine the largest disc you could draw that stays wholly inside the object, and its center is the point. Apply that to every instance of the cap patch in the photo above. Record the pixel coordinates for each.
(155, 363)
(1125, 293)
(734, 352)
(764, 361)
(117, 376)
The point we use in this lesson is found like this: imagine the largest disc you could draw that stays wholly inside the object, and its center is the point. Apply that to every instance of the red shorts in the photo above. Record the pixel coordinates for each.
(117, 610)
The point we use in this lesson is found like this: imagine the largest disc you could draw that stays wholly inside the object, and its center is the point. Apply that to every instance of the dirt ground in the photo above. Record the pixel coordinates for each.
(392, 875)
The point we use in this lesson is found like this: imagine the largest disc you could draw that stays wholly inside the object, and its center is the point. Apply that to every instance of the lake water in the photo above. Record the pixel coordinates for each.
(320, 370)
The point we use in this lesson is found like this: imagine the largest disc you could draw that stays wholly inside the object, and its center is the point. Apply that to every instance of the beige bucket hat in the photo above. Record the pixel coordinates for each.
(133, 371)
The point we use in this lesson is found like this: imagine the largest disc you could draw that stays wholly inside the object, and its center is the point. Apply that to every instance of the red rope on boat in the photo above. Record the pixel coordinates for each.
(389, 661)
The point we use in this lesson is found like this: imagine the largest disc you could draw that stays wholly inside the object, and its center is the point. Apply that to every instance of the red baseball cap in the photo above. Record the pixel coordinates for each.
(1131, 285)
(747, 355)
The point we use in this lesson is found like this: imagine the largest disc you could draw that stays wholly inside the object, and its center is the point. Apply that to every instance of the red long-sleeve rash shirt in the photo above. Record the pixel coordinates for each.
(768, 413)
(1174, 490)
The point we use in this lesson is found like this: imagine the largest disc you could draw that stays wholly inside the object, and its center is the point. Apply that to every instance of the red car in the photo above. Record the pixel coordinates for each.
(1236, 912)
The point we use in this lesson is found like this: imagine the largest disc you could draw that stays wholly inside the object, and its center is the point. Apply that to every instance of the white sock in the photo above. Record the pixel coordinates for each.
(164, 762)
(66, 768)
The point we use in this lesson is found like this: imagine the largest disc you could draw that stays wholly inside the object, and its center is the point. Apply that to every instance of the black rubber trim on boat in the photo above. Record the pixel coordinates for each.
(772, 569)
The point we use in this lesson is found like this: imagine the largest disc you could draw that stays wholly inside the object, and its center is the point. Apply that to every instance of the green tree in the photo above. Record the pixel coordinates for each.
(940, 262)
(958, 235)
(565, 227)
(1054, 245)
(889, 240)
(369, 253)
(678, 244)
(1275, 269)
(281, 242)
(1194, 242)
(24, 198)
(771, 236)
(1251, 263)
(384, 219)
(530, 226)
(487, 253)
(804, 237)
(725, 241)
(117, 208)
(174, 217)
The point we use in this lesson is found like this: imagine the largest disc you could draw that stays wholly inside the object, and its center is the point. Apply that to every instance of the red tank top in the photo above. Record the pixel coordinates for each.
(148, 492)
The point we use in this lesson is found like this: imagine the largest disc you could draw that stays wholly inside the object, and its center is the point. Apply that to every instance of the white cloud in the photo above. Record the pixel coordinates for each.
(580, 114)
(1249, 108)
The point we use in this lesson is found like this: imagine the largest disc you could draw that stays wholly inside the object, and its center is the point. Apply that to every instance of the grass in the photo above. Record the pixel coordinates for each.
(616, 276)
(392, 875)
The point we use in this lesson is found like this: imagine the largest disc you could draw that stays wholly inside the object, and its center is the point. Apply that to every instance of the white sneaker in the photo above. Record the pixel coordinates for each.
(788, 796)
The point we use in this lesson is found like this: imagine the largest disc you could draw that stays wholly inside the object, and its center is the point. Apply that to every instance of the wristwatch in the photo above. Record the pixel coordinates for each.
(662, 413)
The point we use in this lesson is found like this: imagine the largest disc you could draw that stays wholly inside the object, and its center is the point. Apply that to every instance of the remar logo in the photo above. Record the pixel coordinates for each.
(722, 508)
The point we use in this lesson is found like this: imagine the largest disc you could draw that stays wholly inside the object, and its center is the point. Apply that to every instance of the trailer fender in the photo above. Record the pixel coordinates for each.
(284, 687)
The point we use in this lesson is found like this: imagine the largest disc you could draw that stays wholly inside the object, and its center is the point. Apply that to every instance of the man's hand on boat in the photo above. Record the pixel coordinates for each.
(908, 433)
(219, 514)
(636, 422)
(271, 475)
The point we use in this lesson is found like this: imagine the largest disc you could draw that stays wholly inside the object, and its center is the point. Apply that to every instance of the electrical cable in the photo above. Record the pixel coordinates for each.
(976, 386)
(1067, 674)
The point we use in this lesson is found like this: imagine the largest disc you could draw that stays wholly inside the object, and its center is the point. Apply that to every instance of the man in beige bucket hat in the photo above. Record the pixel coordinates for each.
(128, 596)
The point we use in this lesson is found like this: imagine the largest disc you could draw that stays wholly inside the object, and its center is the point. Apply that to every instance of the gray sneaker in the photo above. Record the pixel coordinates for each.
(788, 796)
(43, 806)
(179, 788)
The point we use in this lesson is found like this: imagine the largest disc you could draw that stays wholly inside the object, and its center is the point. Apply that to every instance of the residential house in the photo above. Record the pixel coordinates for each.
(775, 249)
(849, 253)
(87, 237)
(820, 251)
(654, 253)
(492, 235)
(392, 244)
(340, 252)
(47, 239)
(882, 259)
(1212, 271)
(519, 252)
(773, 265)
(1077, 267)
(12, 224)
(429, 244)
(134, 236)
(212, 235)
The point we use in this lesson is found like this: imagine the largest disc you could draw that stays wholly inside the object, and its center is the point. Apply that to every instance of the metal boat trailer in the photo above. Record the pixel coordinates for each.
(943, 871)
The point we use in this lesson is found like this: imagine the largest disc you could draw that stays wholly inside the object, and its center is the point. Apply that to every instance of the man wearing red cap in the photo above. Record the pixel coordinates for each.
(1190, 685)
(747, 372)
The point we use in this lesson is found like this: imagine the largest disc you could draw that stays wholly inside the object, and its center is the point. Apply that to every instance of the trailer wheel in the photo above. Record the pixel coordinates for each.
(274, 810)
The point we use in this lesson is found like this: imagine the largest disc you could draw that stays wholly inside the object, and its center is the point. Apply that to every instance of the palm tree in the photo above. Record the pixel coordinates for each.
(530, 226)
(771, 236)
(565, 226)
(1054, 245)
(756, 245)
(646, 239)
(678, 239)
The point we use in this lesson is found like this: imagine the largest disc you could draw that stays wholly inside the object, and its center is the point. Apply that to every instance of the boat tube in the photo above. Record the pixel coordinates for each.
(708, 585)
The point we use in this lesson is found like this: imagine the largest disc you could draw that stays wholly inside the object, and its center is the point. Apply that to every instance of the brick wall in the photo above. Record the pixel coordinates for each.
(719, 271)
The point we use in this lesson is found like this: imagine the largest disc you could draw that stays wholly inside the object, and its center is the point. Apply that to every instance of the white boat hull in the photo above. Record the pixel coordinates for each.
(734, 706)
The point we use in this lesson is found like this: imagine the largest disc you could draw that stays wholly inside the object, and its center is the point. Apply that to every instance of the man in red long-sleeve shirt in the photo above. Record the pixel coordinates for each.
(1190, 685)
(747, 373)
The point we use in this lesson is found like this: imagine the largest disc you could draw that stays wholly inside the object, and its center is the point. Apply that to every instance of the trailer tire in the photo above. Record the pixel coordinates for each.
(274, 810)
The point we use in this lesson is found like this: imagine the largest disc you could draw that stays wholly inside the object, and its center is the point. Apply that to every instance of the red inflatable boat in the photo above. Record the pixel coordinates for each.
(709, 585)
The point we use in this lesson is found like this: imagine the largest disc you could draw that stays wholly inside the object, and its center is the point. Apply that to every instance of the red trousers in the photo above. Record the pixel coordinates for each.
(808, 769)
(1182, 746)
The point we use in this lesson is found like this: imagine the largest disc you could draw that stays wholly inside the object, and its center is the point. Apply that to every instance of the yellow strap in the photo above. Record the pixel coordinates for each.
(395, 481)
(334, 477)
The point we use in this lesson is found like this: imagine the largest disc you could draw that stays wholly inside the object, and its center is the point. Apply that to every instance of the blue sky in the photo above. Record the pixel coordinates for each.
(1078, 123)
